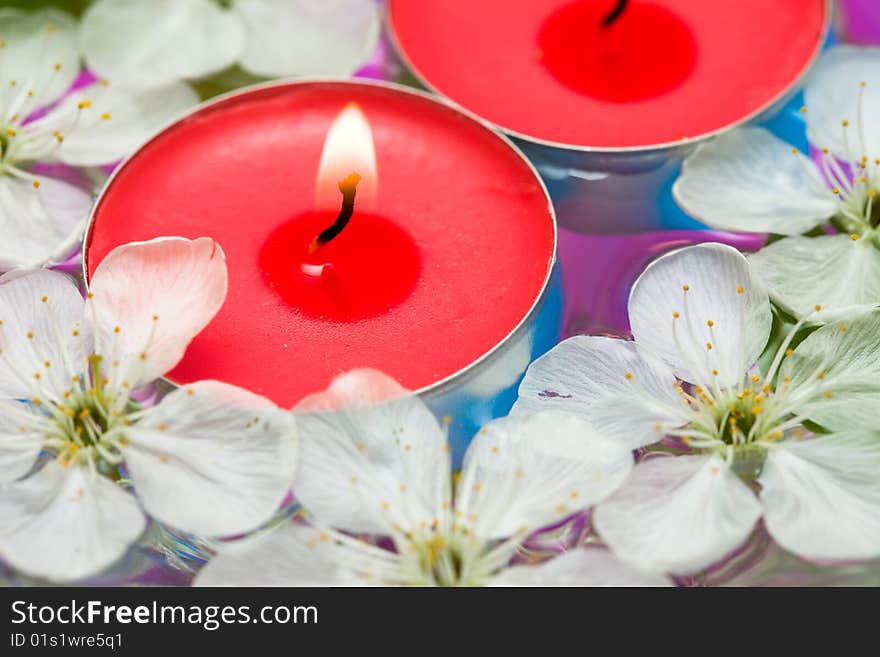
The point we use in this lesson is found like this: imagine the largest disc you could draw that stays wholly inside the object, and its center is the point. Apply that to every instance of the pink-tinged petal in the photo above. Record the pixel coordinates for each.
(150, 299)
(371, 456)
(356, 389)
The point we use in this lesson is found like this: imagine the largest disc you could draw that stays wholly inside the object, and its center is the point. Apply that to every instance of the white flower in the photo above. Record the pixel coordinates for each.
(42, 218)
(210, 459)
(749, 180)
(160, 40)
(374, 461)
(700, 321)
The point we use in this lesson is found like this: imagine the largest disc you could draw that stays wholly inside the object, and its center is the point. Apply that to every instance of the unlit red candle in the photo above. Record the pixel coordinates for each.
(661, 71)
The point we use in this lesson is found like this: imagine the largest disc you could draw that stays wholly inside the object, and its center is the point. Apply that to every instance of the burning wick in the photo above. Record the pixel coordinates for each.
(348, 187)
(615, 13)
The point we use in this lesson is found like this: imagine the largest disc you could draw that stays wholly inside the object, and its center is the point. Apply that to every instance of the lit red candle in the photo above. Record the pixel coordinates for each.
(444, 257)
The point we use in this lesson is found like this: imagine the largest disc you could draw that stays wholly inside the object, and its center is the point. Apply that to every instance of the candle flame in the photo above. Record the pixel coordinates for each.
(348, 150)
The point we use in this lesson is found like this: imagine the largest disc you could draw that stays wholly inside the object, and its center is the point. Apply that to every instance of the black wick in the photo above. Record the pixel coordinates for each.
(615, 13)
(348, 187)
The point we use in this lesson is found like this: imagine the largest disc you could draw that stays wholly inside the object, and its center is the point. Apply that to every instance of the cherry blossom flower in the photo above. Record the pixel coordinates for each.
(190, 39)
(374, 462)
(42, 218)
(750, 180)
(82, 465)
(740, 441)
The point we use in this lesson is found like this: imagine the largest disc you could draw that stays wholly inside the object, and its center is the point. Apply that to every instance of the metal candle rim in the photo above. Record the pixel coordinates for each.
(449, 381)
(649, 149)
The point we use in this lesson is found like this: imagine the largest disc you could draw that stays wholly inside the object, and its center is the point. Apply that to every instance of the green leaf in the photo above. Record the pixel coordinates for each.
(225, 81)
(75, 7)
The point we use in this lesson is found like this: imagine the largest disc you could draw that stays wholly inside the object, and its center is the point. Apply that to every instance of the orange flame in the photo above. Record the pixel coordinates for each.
(348, 149)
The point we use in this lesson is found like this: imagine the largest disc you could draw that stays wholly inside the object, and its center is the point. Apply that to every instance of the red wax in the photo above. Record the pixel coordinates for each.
(452, 256)
(368, 269)
(611, 65)
(663, 71)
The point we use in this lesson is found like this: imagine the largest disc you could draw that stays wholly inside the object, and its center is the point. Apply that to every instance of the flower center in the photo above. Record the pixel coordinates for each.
(440, 561)
(860, 210)
(738, 416)
(79, 420)
(735, 418)
(453, 558)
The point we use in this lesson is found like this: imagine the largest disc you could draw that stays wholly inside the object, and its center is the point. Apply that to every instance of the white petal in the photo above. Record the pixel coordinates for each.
(287, 556)
(39, 225)
(146, 42)
(118, 119)
(371, 465)
(160, 294)
(822, 496)
(832, 271)
(749, 180)
(523, 473)
(35, 332)
(580, 567)
(66, 523)
(678, 514)
(40, 55)
(623, 391)
(20, 441)
(835, 374)
(205, 464)
(303, 37)
(702, 284)
(832, 97)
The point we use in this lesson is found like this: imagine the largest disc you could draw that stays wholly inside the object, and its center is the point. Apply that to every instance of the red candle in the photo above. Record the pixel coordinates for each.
(448, 248)
(610, 74)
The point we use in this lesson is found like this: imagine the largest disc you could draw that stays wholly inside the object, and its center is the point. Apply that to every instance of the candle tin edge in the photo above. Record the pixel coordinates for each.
(438, 388)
